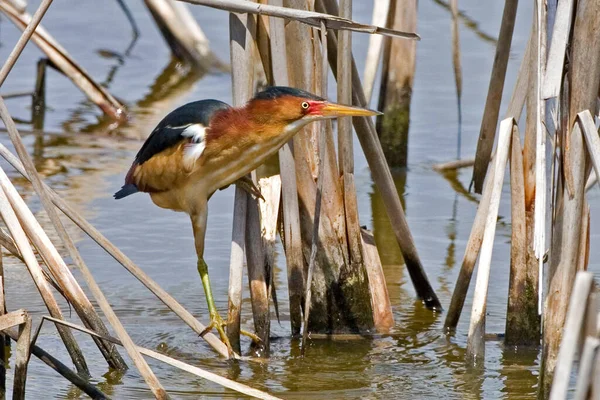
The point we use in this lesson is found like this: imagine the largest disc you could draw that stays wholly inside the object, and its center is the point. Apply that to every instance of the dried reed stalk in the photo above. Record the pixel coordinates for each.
(354, 279)
(489, 122)
(523, 321)
(23, 320)
(367, 135)
(322, 158)
(14, 226)
(383, 318)
(306, 17)
(518, 288)
(292, 236)
(257, 276)
(236, 266)
(346, 153)
(242, 84)
(227, 383)
(558, 48)
(118, 255)
(475, 342)
(25, 36)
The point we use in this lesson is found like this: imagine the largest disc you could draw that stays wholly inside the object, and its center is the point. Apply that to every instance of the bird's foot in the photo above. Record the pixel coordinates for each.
(216, 322)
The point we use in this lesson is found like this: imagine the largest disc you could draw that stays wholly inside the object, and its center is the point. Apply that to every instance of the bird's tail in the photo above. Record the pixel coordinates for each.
(126, 190)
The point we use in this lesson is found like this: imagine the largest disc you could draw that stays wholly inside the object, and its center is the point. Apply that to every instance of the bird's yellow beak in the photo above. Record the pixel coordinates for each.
(332, 110)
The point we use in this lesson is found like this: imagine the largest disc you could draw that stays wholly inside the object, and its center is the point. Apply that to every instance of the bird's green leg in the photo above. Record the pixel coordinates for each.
(216, 321)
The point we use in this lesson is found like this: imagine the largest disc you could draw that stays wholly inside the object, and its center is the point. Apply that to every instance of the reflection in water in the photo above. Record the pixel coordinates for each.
(174, 82)
(469, 23)
(385, 239)
(520, 370)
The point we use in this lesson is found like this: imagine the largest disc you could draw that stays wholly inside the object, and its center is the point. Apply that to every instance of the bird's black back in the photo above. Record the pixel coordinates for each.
(168, 132)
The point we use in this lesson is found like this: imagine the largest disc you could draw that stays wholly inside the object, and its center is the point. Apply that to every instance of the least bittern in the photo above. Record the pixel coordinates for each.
(206, 145)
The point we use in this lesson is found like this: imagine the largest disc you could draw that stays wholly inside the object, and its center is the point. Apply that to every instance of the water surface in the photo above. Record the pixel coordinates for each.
(85, 158)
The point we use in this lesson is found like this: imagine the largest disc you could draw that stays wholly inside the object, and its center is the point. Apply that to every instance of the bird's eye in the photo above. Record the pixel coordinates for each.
(305, 105)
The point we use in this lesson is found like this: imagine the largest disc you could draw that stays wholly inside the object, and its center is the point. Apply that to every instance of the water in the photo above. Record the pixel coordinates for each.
(85, 158)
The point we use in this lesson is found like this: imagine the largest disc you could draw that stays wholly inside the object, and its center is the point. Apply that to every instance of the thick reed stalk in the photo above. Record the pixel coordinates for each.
(489, 122)
(14, 226)
(119, 256)
(242, 33)
(523, 321)
(367, 135)
(241, 75)
(354, 279)
(520, 298)
(383, 318)
(584, 70)
(257, 276)
(22, 358)
(397, 77)
(475, 342)
(292, 236)
(322, 155)
(236, 266)
(558, 48)
(25, 36)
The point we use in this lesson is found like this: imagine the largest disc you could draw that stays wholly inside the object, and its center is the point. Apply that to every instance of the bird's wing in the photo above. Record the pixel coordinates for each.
(186, 123)
(170, 131)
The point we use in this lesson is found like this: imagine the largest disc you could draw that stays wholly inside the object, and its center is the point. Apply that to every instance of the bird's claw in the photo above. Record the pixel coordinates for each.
(216, 322)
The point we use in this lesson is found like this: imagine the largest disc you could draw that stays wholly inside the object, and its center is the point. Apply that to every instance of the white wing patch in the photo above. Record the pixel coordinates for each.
(193, 150)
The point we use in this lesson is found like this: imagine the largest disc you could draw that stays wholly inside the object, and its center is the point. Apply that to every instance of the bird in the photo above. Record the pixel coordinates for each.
(207, 145)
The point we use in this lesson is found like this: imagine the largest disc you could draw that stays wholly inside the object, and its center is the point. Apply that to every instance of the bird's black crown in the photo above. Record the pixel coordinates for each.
(274, 92)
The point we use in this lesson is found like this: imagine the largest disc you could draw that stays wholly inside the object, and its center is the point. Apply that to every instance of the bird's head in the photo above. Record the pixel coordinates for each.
(291, 108)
